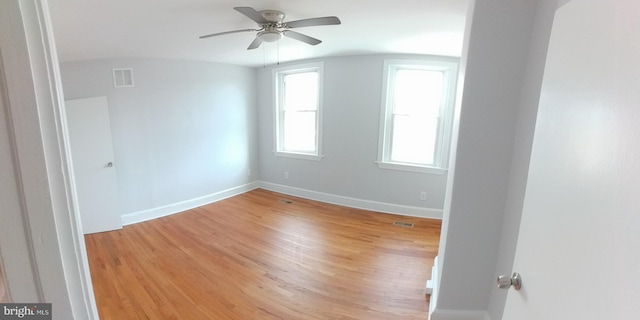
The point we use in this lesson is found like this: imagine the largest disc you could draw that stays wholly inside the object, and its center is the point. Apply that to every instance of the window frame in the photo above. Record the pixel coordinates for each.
(278, 93)
(449, 67)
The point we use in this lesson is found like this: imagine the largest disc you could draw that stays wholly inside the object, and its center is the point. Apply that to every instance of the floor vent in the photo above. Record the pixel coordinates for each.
(403, 224)
(286, 201)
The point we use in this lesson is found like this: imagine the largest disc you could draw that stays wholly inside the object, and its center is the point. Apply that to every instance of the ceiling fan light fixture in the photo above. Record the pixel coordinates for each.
(270, 36)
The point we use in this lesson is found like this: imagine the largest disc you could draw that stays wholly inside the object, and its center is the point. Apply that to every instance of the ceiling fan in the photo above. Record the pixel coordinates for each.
(273, 27)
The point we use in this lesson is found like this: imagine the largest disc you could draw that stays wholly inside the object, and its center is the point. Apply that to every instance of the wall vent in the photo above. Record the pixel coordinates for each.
(403, 224)
(123, 77)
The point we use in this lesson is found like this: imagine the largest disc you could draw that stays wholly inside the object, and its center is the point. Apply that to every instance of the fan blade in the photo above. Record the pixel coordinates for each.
(226, 32)
(255, 44)
(301, 37)
(252, 14)
(322, 21)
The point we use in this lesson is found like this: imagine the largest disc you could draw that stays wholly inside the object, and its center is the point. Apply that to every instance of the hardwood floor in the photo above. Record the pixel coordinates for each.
(254, 256)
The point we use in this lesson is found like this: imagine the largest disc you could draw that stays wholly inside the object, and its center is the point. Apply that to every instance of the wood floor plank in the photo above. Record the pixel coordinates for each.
(255, 256)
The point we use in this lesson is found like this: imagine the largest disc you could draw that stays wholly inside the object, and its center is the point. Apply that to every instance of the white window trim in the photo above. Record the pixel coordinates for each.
(277, 92)
(450, 68)
(410, 167)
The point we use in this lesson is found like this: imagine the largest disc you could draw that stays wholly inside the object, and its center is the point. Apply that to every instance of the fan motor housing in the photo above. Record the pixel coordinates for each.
(273, 15)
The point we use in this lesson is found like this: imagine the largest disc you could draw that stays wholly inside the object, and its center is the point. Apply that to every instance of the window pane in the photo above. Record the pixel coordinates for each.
(301, 91)
(300, 131)
(414, 140)
(418, 92)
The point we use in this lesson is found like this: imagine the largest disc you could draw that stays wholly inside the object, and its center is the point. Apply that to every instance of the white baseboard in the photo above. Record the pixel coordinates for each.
(439, 314)
(159, 212)
(459, 315)
(353, 202)
(432, 285)
(150, 214)
(435, 286)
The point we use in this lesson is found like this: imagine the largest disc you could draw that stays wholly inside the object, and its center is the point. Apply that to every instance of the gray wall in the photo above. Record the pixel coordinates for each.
(190, 129)
(351, 120)
(186, 130)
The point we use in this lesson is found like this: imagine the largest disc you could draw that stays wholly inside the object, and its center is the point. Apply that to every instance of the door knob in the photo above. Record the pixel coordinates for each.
(505, 281)
(110, 164)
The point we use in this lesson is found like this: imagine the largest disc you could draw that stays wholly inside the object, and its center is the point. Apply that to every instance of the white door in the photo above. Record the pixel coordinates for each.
(579, 244)
(15, 260)
(93, 164)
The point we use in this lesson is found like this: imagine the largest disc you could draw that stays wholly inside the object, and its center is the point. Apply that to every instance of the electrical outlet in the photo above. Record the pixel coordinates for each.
(249, 172)
(423, 195)
(286, 174)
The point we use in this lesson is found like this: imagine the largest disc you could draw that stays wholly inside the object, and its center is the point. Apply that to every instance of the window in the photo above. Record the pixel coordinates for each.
(417, 112)
(298, 99)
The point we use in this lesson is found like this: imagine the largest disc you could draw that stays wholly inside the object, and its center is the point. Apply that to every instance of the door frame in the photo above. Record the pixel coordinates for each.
(36, 130)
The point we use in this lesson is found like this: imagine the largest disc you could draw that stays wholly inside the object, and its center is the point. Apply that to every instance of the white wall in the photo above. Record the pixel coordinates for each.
(504, 53)
(351, 120)
(525, 124)
(186, 130)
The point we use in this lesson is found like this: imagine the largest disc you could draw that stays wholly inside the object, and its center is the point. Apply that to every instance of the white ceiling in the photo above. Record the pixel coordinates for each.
(95, 29)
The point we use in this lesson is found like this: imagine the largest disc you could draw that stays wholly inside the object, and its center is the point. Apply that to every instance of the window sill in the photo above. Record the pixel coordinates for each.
(305, 156)
(409, 167)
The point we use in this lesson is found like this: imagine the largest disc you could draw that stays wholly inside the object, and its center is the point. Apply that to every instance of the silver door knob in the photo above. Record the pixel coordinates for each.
(505, 281)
